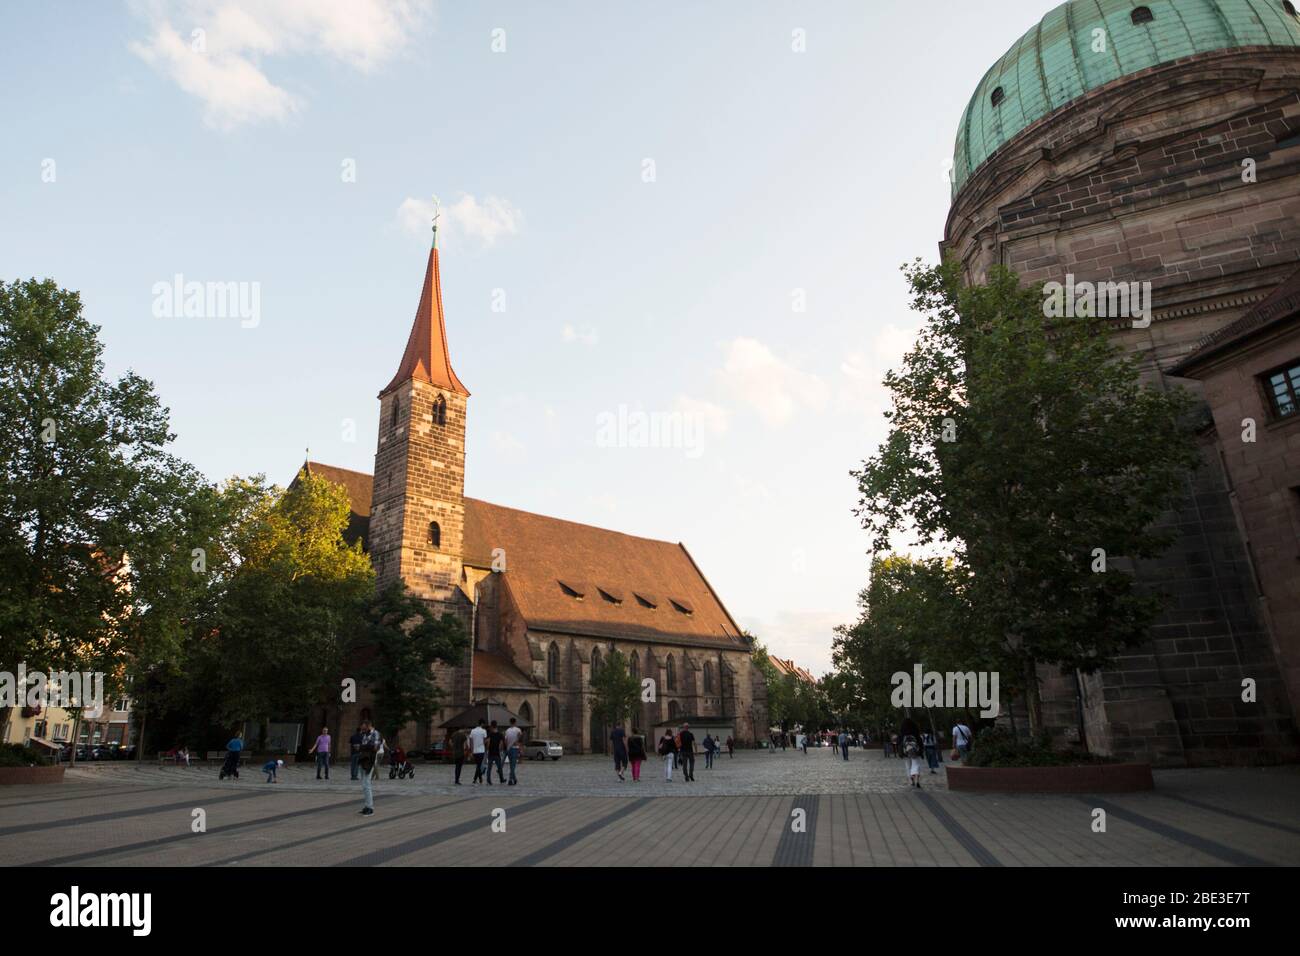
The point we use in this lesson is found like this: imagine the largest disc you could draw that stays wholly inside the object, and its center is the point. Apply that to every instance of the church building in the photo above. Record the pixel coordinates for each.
(545, 600)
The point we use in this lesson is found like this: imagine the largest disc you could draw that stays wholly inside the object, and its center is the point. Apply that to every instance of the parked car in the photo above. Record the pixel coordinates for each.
(437, 750)
(124, 753)
(541, 749)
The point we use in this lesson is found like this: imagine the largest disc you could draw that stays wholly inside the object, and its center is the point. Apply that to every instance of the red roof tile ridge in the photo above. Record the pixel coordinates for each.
(579, 524)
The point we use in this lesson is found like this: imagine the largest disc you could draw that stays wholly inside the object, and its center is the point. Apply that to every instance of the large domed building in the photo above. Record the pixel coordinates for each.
(1159, 143)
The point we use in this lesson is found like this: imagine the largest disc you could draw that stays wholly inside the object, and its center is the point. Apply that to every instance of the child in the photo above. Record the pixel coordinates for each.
(269, 769)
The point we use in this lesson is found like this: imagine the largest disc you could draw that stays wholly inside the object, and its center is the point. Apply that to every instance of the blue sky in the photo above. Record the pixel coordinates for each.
(137, 149)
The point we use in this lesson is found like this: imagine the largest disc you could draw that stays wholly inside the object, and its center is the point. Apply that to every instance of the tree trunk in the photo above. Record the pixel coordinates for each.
(1033, 703)
(1011, 714)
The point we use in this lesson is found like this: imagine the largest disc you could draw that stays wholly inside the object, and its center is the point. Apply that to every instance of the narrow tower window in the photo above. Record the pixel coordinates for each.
(1142, 15)
(435, 535)
(439, 411)
(397, 407)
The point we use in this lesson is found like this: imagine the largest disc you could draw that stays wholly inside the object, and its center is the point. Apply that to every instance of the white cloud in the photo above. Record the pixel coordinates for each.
(861, 391)
(216, 50)
(772, 387)
(483, 223)
(802, 636)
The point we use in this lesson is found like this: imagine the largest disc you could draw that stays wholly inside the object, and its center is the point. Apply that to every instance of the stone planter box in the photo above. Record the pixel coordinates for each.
(1093, 778)
(12, 775)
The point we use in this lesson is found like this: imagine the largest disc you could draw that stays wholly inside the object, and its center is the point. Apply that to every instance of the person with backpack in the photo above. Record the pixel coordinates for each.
(961, 740)
(909, 743)
(931, 751)
(369, 753)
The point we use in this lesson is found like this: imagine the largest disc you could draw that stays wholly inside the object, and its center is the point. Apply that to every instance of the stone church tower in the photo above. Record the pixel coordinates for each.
(417, 510)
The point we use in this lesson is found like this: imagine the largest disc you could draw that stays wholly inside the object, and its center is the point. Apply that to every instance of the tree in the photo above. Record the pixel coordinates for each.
(780, 687)
(1031, 447)
(293, 604)
(406, 640)
(615, 692)
(89, 497)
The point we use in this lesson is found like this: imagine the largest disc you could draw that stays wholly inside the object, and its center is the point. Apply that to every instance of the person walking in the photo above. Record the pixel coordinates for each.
(635, 755)
(514, 741)
(909, 737)
(354, 748)
(321, 748)
(844, 744)
(459, 751)
(668, 750)
(478, 748)
(931, 751)
(731, 747)
(686, 751)
(961, 739)
(708, 751)
(618, 739)
(370, 744)
(804, 743)
(495, 742)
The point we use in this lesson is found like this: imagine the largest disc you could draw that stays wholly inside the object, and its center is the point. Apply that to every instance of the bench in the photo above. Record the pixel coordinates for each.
(219, 756)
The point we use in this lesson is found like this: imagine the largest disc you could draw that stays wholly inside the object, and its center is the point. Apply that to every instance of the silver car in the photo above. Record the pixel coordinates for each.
(541, 749)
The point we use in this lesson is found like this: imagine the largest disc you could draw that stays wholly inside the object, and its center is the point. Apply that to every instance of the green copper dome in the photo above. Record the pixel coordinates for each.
(1055, 62)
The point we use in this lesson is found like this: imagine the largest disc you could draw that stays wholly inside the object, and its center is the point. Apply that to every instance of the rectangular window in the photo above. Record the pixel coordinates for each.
(1283, 388)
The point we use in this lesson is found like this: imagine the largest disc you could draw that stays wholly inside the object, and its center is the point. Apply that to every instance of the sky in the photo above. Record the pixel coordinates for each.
(691, 214)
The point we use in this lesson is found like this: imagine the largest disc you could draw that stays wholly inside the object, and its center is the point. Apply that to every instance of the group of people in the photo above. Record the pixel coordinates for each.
(488, 746)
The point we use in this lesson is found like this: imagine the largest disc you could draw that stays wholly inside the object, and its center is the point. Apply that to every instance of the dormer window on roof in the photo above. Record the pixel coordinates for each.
(572, 590)
(681, 606)
(609, 597)
(646, 601)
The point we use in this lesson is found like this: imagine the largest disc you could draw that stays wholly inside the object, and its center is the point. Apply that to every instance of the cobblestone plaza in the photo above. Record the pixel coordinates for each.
(756, 809)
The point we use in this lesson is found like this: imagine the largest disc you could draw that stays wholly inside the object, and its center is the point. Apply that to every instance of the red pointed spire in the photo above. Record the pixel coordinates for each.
(426, 357)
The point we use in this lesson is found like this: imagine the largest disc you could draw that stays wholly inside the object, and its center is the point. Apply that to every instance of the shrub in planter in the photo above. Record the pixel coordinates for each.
(16, 755)
(996, 747)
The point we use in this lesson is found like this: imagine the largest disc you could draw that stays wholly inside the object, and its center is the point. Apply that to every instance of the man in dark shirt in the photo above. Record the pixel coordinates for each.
(686, 753)
(459, 748)
(495, 740)
(354, 742)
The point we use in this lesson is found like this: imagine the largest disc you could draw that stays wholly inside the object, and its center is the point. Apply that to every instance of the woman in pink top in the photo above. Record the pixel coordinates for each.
(322, 751)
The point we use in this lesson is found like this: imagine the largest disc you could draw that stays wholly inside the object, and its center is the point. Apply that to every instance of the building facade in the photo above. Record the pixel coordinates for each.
(544, 600)
(1156, 143)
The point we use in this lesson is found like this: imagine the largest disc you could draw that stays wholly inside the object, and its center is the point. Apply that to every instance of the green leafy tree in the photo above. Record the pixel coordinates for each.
(293, 603)
(92, 504)
(1028, 446)
(405, 640)
(615, 691)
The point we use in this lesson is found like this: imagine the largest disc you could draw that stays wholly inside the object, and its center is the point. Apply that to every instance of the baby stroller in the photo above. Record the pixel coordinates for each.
(231, 767)
(399, 765)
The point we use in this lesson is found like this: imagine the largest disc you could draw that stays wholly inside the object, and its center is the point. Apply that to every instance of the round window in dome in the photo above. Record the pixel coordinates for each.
(998, 96)
(1289, 7)
(1144, 15)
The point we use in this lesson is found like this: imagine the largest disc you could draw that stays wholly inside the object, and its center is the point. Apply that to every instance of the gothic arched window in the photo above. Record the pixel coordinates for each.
(397, 410)
(595, 661)
(440, 411)
(526, 715)
(435, 535)
(672, 673)
(553, 665)
(708, 677)
(553, 714)
(673, 710)
(634, 667)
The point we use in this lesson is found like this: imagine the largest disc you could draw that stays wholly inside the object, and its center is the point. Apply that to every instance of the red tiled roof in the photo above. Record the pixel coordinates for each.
(492, 671)
(792, 669)
(427, 358)
(541, 552)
